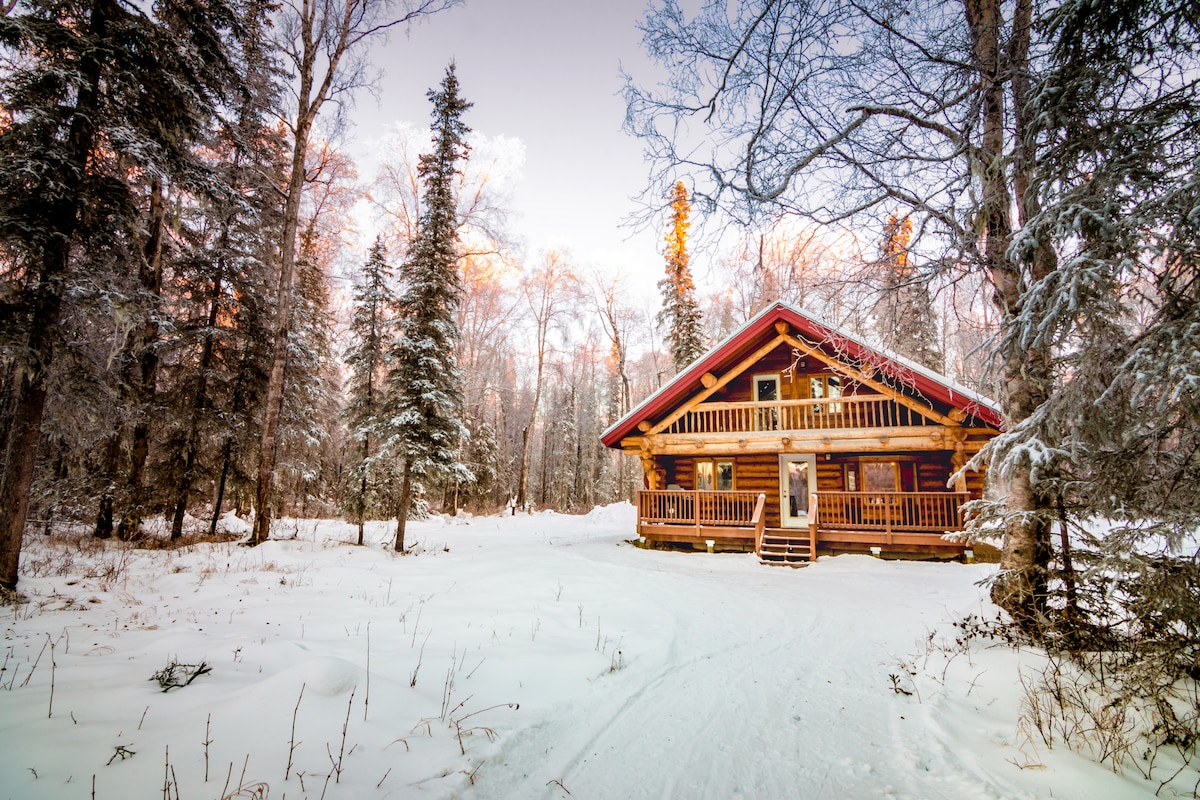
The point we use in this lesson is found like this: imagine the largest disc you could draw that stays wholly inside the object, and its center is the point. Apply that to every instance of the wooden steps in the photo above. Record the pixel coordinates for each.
(785, 548)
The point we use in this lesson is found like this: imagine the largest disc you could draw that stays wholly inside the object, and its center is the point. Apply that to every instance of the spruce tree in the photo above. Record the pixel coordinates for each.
(215, 369)
(311, 387)
(93, 94)
(369, 329)
(680, 312)
(424, 384)
(904, 317)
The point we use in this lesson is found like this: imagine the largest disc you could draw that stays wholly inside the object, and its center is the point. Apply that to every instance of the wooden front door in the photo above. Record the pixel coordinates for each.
(797, 482)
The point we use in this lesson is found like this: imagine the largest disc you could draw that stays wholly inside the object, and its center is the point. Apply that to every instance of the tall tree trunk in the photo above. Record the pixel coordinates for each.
(405, 502)
(200, 400)
(547, 435)
(18, 472)
(362, 486)
(1021, 586)
(226, 455)
(526, 434)
(29, 404)
(150, 278)
(283, 317)
(112, 459)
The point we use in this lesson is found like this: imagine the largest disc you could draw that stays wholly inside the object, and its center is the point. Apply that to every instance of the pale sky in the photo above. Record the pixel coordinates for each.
(546, 72)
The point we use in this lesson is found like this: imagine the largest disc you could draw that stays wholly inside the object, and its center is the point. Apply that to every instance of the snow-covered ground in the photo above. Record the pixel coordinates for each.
(530, 657)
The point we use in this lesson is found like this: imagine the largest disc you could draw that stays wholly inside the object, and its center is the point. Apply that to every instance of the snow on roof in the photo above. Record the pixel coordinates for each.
(930, 383)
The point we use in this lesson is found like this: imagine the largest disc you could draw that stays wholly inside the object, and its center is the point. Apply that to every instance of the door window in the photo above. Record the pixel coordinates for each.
(797, 482)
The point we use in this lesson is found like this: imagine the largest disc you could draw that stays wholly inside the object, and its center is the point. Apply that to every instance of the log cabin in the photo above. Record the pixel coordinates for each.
(793, 438)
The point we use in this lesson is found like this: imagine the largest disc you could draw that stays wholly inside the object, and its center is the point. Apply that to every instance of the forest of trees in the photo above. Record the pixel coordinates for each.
(192, 323)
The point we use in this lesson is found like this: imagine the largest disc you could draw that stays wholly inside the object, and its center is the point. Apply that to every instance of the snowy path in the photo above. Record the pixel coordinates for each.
(531, 658)
(749, 689)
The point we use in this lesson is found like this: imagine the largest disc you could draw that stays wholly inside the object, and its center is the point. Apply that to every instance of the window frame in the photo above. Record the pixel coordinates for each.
(826, 391)
(855, 472)
(714, 474)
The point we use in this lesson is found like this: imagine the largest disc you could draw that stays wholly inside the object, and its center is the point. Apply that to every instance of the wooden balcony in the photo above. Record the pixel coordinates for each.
(842, 413)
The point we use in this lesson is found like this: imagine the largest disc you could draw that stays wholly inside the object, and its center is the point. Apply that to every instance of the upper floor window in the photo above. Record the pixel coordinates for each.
(826, 387)
(766, 390)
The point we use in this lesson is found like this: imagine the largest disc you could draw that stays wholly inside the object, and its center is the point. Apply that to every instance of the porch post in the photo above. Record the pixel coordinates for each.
(813, 524)
(648, 468)
(887, 515)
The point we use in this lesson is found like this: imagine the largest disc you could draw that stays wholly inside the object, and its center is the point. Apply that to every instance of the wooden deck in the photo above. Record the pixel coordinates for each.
(841, 521)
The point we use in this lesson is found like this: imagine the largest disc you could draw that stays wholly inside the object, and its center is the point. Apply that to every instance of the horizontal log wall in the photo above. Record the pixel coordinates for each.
(759, 473)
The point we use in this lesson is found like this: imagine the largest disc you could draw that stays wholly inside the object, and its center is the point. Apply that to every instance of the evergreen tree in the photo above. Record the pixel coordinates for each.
(369, 330)
(323, 41)
(680, 312)
(424, 384)
(93, 93)
(214, 368)
(1116, 188)
(904, 317)
(483, 459)
(310, 384)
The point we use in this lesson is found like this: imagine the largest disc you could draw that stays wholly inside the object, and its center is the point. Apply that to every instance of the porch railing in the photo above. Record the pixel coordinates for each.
(861, 411)
(891, 511)
(860, 511)
(676, 507)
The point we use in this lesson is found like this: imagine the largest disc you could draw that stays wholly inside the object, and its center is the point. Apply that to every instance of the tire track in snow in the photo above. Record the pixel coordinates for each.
(753, 691)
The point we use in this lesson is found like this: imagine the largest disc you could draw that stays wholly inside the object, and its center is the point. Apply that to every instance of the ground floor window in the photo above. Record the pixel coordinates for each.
(714, 475)
(881, 475)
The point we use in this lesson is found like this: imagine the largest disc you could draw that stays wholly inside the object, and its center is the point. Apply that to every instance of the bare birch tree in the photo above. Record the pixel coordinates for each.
(324, 44)
(549, 292)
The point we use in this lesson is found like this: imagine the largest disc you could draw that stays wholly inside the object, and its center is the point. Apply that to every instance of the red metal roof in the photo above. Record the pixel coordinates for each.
(832, 340)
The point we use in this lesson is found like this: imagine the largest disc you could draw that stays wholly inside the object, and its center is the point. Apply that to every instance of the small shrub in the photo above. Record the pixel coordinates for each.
(176, 675)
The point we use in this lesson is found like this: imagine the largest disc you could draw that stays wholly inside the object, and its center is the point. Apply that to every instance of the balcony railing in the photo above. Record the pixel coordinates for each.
(860, 411)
